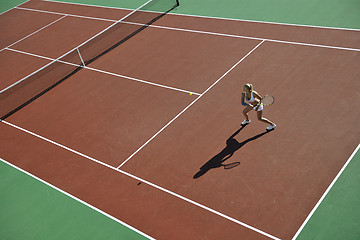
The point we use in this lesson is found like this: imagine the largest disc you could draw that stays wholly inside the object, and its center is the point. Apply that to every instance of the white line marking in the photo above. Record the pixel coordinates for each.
(265, 22)
(102, 71)
(228, 35)
(143, 81)
(41, 11)
(87, 5)
(172, 120)
(34, 32)
(112, 25)
(31, 74)
(251, 38)
(220, 18)
(144, 181)
(77, 199)
(38, 56)
(219, 34)
(57, 144)
(14, 7)
(325, 193)
(70, 15)
(74, 48)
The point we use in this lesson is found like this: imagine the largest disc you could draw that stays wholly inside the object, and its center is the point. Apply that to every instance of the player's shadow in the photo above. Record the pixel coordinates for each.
(232, 145)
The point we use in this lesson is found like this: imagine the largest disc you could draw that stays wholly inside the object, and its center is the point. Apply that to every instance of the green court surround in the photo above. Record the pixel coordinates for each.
(31, 209)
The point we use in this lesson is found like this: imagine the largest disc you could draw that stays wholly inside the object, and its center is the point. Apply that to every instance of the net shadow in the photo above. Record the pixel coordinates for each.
(51, 75)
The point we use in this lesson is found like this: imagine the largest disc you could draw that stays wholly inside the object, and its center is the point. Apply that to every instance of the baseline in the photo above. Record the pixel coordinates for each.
(89, 11)
(76, 199)
(208, 133)
(106, 72)
(162, 209)
(201, 16)
(342, 38)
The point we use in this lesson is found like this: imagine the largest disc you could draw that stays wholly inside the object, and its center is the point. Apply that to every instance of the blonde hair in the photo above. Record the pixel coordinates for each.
(249, 86)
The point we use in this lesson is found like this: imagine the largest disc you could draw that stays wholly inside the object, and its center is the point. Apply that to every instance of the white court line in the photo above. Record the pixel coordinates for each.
(70, 15)
(144, 181)
(143, 81)
(24, 78)
(325, 193)
(101, 71)
(221, 34)
(43, 11)
(21, 80)
(77, 199)
(34, 32)
(120, 20)
(220, 18)
(251, 38)
(265, 22)
(172, 120)
(38, 56)
(283, 42)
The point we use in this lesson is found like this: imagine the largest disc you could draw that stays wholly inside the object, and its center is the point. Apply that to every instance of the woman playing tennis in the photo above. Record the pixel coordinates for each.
(251, 99)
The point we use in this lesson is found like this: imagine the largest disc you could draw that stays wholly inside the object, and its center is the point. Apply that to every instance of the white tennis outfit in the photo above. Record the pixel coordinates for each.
(251, 100)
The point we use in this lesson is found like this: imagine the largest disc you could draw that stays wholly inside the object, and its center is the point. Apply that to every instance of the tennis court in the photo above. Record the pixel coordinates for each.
(129, 134)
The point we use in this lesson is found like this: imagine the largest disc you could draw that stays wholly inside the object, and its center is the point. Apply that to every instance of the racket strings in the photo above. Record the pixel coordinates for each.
(268, 100)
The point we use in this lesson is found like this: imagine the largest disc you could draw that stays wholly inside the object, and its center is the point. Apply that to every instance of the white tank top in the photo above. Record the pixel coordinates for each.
(252, 99)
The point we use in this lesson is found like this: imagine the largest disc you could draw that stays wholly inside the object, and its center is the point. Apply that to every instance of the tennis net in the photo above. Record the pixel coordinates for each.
(28, 89)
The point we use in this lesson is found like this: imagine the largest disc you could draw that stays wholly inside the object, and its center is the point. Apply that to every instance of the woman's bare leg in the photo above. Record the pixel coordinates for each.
(245, 112)
(259, 115)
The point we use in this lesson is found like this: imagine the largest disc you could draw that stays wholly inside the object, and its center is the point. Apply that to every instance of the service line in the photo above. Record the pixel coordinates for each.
(172, 120)
(34, 32)
(98, 70)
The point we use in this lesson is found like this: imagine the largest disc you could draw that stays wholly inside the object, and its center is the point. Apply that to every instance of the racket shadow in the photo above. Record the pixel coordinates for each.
(232, 145)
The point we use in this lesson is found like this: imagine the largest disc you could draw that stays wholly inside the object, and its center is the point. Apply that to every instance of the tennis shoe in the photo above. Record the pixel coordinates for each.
(245, 122)
(271, 127)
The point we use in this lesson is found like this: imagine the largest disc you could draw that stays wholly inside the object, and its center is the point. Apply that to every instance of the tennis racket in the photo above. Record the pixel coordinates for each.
(267, 100)
(231, 165)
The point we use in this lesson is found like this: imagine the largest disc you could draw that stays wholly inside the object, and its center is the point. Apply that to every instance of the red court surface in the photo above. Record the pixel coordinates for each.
(65, 33)
(18, 66)
(25, 24)
(142, 206)
(271, 31)
(98, 134)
